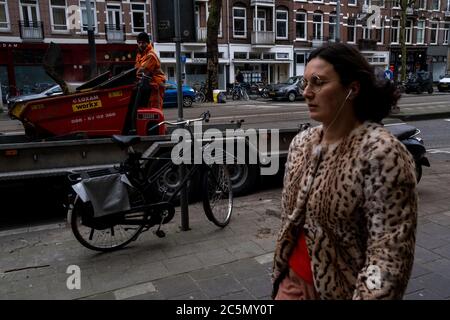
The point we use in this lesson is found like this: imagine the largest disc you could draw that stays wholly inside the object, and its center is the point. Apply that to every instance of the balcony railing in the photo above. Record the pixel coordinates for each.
(31, 30)
(201, 34)
(254, 2)
(263, 37)
(115, 33)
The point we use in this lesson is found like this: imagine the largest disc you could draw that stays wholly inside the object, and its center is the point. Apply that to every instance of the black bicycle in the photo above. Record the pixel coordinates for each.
(103, 227)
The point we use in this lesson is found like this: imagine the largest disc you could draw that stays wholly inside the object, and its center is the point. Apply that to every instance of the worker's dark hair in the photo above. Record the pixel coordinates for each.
(375, 98)
(143, 37)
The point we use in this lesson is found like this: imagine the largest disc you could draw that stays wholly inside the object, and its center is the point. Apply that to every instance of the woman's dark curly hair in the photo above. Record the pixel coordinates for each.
(376, 98)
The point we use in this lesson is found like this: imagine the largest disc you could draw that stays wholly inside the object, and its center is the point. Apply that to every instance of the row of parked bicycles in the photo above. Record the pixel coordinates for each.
(235, 91)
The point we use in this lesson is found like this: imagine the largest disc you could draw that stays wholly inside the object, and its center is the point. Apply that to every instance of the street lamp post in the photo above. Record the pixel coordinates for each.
(182, 170)
(91, 39)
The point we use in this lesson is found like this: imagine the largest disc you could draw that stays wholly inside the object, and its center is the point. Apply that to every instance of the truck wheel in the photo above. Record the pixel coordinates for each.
(164, 179)
(187, 102)
(243, 178)
(291, 96)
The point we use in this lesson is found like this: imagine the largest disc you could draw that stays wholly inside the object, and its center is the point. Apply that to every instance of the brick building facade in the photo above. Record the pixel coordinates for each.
(268, 40)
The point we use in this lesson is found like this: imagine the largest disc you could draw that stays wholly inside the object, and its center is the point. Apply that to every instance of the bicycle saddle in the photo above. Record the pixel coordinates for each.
(125, 141)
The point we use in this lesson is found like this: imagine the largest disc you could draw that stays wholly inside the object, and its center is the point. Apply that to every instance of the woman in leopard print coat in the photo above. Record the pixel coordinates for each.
(349, 189)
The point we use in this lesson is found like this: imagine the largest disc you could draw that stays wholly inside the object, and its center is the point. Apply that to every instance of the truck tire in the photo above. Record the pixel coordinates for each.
(165, 184)
(244, 178)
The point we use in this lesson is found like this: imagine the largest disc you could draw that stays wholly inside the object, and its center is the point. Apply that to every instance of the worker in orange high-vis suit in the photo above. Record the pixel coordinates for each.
(149, 66)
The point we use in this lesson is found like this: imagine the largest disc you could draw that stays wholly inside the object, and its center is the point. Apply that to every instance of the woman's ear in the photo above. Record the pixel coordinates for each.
(354, 88)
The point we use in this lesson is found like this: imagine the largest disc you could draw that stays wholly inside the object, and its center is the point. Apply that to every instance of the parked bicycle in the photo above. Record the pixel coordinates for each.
(239, 92)
(129, 207)
(200, 93)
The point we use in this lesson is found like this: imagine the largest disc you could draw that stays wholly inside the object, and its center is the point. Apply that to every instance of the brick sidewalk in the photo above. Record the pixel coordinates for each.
(205, 262)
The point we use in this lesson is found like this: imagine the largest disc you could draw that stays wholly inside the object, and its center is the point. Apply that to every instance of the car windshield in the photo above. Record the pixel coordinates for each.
(291, 80)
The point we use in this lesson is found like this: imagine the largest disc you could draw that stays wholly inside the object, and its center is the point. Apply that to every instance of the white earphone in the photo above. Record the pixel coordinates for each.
(349, 93)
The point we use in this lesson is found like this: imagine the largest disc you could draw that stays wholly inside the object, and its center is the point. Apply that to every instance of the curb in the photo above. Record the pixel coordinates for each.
(419, 116)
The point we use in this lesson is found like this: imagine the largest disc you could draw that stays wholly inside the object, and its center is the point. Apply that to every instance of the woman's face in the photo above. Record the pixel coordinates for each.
(324, 93)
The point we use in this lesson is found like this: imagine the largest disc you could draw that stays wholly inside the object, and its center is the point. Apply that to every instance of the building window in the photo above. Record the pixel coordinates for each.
(408, 31)
(422, 4)
(317, 26)
(300, 58)
(138, 17)
(58, 15)
(282, 24)
(366, 32)
(352, 2)
(433, 33)
(379, 33)
(282, 55)
(435, 4)
(396, 4)
(260, 22)
(239, 22)
(240, 55)
(269, 56)
(4, 15)
(332, 27)
(29, 12)
(395, 30)
(84, 17)
(114, 16)
(351, 36)
(420, 31)
(300, 25)
(446, 34)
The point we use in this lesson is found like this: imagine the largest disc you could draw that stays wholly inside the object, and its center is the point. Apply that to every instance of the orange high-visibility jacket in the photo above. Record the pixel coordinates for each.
(149, 62)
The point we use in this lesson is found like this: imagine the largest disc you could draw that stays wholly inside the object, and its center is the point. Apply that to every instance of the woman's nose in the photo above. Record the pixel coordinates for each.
(307, 92)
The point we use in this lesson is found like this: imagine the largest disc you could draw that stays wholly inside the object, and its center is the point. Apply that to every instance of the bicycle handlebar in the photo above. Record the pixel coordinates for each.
(203, 117)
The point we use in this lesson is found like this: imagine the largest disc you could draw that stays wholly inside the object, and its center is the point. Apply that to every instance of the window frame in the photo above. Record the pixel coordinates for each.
(52, 21)
(94, 8)
(436, 38)
(397, 31)
(315, 24)
(286, 24)
(144, 11)
(7, 22)
(353, 28)
(421, 40)
(300, 22)
(244, 18)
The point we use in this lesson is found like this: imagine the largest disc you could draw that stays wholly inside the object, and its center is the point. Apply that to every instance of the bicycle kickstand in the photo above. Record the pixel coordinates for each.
(160, 233)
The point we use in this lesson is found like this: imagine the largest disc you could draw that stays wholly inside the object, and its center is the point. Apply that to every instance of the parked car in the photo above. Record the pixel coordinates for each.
(419, 82)
(289, 90)
(444, 83)
(170, 95)
(53, 90)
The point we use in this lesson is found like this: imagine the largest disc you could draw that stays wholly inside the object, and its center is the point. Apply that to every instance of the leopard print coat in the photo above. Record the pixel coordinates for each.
(360, 215)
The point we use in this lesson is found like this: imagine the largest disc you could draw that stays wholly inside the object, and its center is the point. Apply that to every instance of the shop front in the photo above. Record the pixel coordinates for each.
(416, 60)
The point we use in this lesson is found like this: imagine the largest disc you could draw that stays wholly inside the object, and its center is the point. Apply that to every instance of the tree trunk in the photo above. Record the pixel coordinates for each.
(212, 48)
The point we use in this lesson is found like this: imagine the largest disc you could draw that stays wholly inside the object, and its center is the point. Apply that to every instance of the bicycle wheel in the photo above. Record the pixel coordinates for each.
(200, 97)
(106, 233)
(217, 194)
(245, 95)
